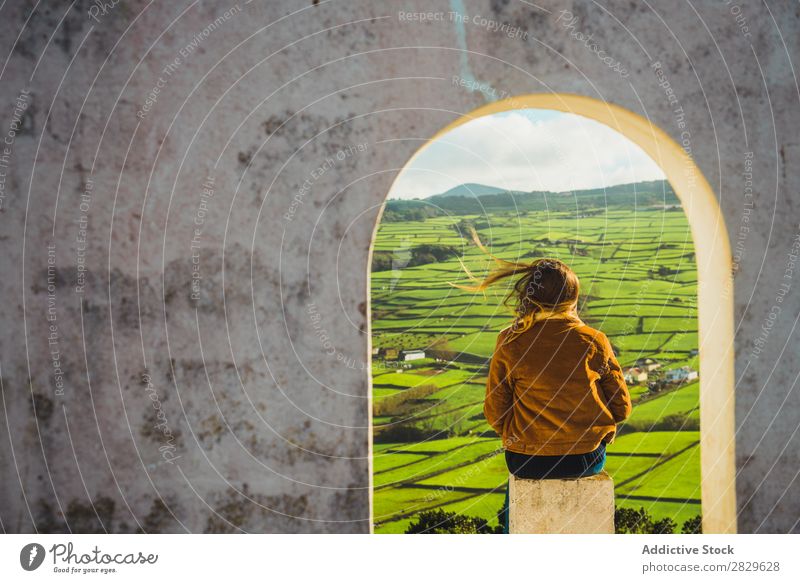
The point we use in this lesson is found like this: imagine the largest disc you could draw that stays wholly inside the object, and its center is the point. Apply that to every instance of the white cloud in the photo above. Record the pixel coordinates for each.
(527, 150)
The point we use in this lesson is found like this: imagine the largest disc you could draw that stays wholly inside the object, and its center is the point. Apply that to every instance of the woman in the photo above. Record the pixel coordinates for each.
(555, 391)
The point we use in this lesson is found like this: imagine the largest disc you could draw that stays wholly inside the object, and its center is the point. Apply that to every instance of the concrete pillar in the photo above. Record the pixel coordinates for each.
(576, 506)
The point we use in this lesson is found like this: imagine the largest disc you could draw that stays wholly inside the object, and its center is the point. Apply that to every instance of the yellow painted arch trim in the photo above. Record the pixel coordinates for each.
(714, 290)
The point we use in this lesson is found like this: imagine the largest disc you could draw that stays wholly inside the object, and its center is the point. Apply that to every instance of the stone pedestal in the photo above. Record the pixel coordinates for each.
(578, 506)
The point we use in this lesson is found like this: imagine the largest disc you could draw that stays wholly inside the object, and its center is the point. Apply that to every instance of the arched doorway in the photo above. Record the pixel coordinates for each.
(714, 285)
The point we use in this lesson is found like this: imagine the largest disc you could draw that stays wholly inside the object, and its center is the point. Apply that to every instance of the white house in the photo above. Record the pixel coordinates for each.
(648, 364)
(634, 374)
(682, 374)
(412, 354)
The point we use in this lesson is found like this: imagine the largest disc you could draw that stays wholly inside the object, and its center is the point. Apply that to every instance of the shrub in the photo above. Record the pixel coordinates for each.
(693, 525)
(390, 405)
(381, 260)
(401, 433)
(663, 526)
(431, 253)
(630, 521)
(442, 522)
(626, 521)
(501, 519)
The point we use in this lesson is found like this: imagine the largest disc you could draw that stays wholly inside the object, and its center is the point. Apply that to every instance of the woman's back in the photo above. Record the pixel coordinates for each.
(555, 389)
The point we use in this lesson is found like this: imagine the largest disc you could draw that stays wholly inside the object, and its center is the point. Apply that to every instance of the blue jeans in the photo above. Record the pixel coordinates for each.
(542, 467)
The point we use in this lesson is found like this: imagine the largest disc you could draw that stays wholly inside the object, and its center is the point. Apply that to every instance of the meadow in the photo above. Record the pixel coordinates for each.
(639, 286)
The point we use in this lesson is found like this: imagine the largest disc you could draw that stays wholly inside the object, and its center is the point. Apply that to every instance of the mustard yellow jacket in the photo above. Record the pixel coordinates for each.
(555, 389)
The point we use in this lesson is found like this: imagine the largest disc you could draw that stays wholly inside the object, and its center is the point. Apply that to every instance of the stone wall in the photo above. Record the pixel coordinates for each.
(580, 506)
(190, 190)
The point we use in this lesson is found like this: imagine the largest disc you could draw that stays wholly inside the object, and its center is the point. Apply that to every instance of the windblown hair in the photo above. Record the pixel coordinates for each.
(547, 288)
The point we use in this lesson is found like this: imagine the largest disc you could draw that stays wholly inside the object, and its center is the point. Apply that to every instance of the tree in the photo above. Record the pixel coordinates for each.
(381, 261)
(630, 521)
(441, 522)
(626, 521)
(502, 517)
(693, 525)
(663, 526)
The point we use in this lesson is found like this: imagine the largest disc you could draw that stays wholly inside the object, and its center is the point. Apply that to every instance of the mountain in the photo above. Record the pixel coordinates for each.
(642, 195)
(629, 188)
(472, 190)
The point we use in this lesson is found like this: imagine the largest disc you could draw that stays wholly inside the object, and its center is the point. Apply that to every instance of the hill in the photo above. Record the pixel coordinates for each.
(472, 190)
(453, 202)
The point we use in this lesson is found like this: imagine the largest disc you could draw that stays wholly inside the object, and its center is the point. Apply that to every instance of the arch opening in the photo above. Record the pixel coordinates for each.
(430, 344)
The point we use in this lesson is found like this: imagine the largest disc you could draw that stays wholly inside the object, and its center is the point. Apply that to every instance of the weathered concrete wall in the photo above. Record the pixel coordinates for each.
(250, 152)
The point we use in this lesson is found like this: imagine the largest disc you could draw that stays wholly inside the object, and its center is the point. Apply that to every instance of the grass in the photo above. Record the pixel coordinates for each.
(682, 400)
(638, 281)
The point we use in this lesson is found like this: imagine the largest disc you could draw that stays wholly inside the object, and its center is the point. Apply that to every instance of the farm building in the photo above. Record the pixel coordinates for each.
(634, 374)
(678, 375)
(648, 364)
(412, 354)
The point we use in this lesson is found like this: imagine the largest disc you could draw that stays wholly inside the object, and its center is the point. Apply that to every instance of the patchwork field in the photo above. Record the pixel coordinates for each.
(433, 449)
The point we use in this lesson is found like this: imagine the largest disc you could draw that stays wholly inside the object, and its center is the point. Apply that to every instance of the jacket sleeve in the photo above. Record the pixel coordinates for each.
(612, 383)
(499, 393)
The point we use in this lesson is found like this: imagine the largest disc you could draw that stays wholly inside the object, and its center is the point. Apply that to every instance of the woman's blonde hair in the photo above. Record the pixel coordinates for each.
(547, 289)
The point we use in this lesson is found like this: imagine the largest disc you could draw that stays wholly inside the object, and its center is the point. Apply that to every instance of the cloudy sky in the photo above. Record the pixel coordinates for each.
(526, 150)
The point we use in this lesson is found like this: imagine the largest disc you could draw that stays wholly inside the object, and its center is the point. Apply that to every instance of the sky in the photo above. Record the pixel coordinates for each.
(526, 149)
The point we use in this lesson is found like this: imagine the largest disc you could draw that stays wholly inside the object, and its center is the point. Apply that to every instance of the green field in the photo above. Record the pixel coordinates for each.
(639, 286)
